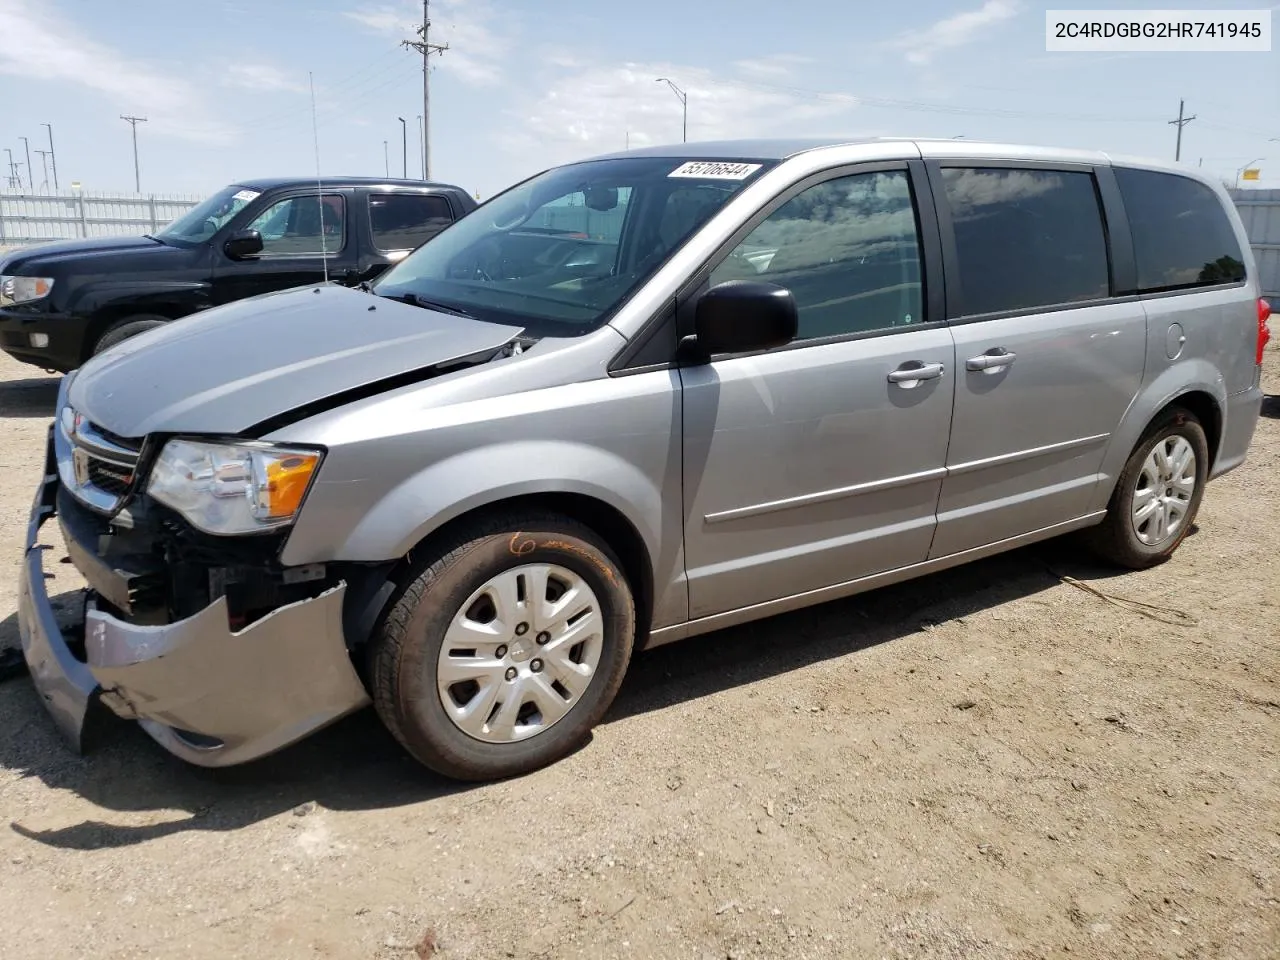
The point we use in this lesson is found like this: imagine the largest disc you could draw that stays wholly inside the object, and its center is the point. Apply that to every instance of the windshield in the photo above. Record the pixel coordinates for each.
(204, 220)
(559, 253)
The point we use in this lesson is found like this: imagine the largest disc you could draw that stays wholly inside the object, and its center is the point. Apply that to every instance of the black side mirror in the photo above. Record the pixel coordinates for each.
(243, 243)
(742, 316)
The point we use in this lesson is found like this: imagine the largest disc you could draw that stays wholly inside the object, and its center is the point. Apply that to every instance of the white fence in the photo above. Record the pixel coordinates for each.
(41, 218)
(1260, 211)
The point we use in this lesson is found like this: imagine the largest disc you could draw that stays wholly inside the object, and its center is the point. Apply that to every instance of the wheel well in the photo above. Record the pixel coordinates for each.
(109, 316)
(1207, 412)
(609, 523)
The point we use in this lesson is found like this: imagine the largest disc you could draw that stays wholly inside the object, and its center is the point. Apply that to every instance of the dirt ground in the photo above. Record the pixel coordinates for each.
(991, 762)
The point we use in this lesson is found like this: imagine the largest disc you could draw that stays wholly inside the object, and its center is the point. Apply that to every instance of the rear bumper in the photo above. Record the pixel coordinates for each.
(209, 695)
(1239, 421)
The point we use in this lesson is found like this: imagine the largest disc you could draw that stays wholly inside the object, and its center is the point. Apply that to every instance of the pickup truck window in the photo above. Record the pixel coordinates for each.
(301, 226)
(560, 252)
(402, 221)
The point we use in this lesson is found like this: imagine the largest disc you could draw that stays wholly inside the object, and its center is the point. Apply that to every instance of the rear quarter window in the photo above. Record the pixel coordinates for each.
(1182, 237)
(402, 221)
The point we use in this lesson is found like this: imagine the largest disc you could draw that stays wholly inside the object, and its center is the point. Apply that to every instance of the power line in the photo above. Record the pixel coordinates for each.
(133, 122)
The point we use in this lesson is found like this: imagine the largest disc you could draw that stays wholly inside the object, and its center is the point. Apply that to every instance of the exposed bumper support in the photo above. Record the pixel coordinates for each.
(209, 695)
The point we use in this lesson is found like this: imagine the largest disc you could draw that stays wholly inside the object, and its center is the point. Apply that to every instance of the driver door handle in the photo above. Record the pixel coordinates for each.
(992, 361)
(910, 374)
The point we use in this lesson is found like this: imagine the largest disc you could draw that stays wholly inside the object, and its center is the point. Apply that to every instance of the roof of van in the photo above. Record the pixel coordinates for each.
(782, 149)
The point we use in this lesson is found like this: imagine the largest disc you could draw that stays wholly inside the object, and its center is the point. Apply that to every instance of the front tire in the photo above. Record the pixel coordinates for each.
(505, 648)
(1157, 495)
(122, 330)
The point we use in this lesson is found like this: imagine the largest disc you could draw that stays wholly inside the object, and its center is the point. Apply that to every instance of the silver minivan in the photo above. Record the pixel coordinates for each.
(628, 401)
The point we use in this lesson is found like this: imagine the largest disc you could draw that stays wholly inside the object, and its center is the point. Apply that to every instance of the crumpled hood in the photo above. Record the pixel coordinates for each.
(230, 368)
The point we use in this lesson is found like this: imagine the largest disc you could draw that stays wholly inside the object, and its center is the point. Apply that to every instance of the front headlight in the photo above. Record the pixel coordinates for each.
(23, 289)
(233, 488)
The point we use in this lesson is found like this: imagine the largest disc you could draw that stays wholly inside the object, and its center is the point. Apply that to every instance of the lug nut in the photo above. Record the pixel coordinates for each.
(543, 637)
(500, 652)
(521, 629)
(535, 666)
(511, 673)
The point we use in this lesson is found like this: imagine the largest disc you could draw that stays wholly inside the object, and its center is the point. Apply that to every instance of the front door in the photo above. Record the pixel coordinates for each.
(303, 241)
(1046, 362)
(821, 462)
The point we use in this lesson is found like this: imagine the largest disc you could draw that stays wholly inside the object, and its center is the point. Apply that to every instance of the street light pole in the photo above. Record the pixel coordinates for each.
(1246, 167)
(386, 159)
(404, 136)
(53, 157)
(31, 174)
(684, 105)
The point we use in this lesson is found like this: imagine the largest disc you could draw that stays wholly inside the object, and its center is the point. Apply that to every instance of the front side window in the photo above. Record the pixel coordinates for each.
(298, 226)
(559, 253)
(847, 249)
(205, 219)
(1026, 238)
(402, 221)
(1182, 237)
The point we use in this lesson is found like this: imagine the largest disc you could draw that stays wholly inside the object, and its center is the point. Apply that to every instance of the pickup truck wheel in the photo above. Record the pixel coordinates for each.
(505, 648)
(1158, 494)
(122, 330)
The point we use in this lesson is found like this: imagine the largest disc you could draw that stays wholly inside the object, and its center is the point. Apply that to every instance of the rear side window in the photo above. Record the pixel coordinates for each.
(402, 221)
(1181, 235)
(1026, 238)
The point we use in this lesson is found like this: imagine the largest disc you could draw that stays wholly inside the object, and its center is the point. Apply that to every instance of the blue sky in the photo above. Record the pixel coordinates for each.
(529, 83)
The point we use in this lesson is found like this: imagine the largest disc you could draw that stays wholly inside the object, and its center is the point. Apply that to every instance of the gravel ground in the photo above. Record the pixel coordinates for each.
(990, 762)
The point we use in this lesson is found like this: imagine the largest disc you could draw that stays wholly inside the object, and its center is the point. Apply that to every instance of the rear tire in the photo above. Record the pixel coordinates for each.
(122, 330)
(1158, 494)
(505, 647)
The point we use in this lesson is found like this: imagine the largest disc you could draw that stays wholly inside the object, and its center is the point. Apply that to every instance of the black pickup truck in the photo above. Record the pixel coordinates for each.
(60, 303)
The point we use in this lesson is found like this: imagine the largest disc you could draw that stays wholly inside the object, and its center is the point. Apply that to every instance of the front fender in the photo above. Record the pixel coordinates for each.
(445, 490)
(1178, 379)
(170, 298)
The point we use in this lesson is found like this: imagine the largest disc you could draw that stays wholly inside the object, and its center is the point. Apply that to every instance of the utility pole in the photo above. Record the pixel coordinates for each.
(31, 173)
(1180, 123)
(13, 170)
(386, 158)
(404, 148)
(133, 122)
(684, 103)
(52, 156)
(426, 48)
(44, 166)
(422, 153)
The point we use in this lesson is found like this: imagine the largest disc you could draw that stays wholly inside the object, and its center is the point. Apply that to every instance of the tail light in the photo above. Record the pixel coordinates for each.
(1264, 332)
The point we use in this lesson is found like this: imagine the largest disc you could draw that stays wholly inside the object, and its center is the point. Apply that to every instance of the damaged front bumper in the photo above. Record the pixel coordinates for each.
(210, 695)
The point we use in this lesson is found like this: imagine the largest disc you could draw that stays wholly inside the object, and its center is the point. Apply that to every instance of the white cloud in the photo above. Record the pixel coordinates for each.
(477, 47)
(40, 45)
(261, 77)
(955, 31)
(596, 109)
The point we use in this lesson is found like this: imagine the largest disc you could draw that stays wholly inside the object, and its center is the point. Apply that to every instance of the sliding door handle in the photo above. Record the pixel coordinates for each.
(993, 361)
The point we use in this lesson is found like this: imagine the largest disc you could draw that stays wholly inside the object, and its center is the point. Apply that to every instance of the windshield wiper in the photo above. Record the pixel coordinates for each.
(414, 300)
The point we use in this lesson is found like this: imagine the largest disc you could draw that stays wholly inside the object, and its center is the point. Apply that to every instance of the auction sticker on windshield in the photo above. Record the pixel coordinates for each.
(714, 170)
(245, 195)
